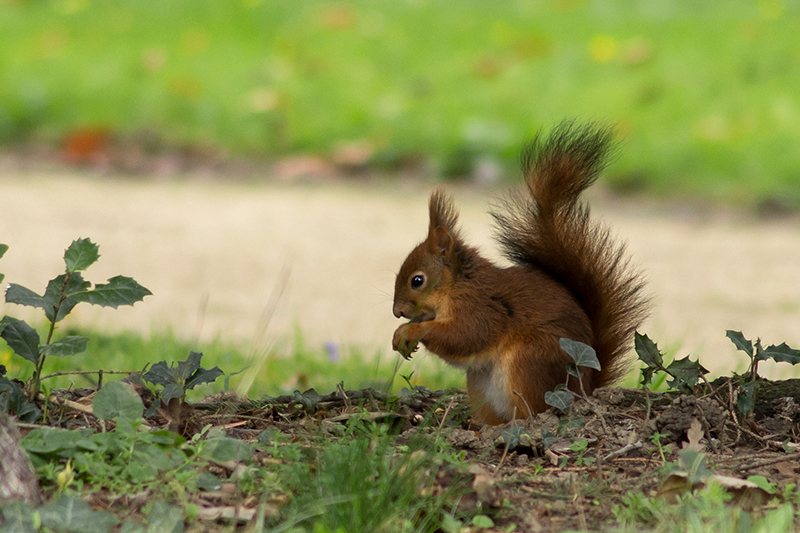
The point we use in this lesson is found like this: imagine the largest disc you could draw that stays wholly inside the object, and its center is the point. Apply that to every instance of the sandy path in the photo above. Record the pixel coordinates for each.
(212, 252)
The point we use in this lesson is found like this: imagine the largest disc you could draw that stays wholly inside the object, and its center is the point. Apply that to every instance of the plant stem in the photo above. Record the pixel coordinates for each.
(37, 373)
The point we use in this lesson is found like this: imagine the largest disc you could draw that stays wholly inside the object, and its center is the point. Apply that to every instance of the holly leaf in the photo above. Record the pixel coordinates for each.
(17, 294)
(740, 342)
(172, 390)
(21, 338)
(685, 373)
(70, 345)
(189, 366)
(81, 254)
(648, 351)
(52, 295)
(3, 249)
(203, 375)
(582, 354)
(119, 290)
(161, 374)
(782, 353)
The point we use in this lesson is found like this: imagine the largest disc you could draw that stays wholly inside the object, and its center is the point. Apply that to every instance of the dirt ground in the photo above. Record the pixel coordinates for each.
(213, 251)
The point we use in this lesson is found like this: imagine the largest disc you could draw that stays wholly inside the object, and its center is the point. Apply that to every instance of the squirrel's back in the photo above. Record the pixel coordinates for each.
(550, 230)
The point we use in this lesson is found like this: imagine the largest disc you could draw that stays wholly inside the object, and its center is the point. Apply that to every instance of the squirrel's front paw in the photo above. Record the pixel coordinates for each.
(402, 341)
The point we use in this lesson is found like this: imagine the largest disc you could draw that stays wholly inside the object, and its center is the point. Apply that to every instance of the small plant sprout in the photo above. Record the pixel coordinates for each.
(756, 352)
(745, 400)
(685, 373)
(583, 355)
(62, 294)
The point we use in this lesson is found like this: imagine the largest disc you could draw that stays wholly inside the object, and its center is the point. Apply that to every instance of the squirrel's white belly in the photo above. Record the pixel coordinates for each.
(489, 377)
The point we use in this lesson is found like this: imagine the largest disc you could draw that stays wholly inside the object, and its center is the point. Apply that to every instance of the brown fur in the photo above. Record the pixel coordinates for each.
(503, 325)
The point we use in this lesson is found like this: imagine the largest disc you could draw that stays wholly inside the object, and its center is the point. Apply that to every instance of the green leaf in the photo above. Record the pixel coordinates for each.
(17, 294)
(52, 295)
(117, 400)
(18, 517)
(48, 440)
(161, 374)
(560, 399)
(740, 342)
(685, 373)
(744, 403)
(482, 521)
(189, 366)
(782, 353)
(172, 390)
(72, 514)
(13, 400)
(582, 354)
(67, 346)
(225, 449)
(81, 254)
(511, 436)
(573, 370)
(308, 399)
(118, 291)
(648, 351)
(2, 277)
(203, 375)
(21, 338)
(165, 518)
(3, 249)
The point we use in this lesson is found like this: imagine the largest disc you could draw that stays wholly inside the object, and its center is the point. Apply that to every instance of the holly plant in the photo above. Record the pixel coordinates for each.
(62, 294)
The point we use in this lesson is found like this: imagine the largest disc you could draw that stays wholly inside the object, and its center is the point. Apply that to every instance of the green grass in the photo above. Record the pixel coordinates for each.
(290, 365)
(704, 94)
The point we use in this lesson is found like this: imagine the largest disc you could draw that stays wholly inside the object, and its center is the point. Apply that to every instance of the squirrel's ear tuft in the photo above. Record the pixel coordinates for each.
(442, 240)
(442, 213)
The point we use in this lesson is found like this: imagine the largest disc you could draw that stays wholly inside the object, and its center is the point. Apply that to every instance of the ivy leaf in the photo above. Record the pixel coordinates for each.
(560, 399)
(18, 517)
(782, 353)
(582, 354)
(166, 518)
(69, 513)
(224, 449)
(21, 338)
(70, 345)
(573, 370)
(81, 254)
(740, 342)
(17, 294)
(119, 290)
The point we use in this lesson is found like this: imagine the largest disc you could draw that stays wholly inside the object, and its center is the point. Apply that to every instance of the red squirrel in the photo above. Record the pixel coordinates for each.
(569, 279)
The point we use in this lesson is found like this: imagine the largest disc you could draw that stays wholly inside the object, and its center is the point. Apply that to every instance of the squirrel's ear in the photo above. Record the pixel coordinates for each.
(441, 240)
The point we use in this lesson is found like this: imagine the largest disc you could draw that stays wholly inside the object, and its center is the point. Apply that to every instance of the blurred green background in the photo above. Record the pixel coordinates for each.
(705, 95)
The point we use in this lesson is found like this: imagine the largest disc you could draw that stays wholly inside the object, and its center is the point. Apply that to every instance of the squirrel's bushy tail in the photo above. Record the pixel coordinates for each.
(550, 230)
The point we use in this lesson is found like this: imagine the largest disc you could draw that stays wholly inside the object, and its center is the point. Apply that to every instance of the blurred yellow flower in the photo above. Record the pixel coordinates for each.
(602, 48)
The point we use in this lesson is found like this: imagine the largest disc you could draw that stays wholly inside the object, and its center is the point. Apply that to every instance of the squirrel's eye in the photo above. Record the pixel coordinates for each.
(417, 281)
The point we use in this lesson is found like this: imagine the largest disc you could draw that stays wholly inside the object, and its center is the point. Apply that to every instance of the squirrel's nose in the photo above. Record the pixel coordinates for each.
(397, 309)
